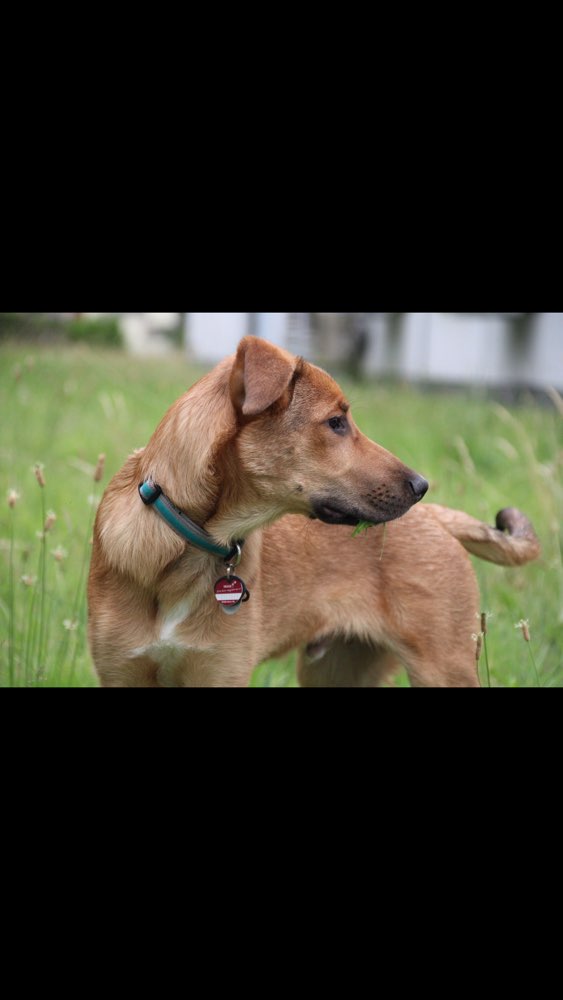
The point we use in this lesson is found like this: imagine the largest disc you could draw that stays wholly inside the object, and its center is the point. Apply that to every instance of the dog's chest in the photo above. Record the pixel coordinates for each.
(170, 620)
(173, 640)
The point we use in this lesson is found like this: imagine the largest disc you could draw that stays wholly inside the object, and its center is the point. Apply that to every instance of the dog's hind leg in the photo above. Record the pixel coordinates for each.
(338, 662)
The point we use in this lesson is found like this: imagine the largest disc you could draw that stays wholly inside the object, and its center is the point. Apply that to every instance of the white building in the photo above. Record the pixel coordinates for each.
(493, 349)
(490, 349)
(211, 336)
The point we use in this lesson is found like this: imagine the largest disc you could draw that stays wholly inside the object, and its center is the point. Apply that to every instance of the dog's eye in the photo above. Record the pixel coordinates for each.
(338, 424)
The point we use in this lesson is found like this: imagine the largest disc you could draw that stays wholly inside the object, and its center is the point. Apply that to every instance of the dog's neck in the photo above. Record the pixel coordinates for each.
(237, 517)
(198, 424)
(202, 475)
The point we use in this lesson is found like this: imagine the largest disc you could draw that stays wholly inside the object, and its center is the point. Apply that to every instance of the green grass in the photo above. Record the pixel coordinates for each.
(62, 407)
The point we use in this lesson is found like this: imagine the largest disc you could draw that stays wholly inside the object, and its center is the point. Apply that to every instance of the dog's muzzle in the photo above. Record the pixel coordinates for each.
(380, 505)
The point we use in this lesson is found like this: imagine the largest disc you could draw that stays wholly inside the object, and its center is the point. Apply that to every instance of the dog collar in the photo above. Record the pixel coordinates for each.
(152, 496)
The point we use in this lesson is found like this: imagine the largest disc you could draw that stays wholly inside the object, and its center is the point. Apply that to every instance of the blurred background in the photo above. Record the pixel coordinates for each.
(511, 350)
(472, 401)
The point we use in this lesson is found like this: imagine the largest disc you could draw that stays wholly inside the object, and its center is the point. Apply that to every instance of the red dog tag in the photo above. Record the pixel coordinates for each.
(230, 592)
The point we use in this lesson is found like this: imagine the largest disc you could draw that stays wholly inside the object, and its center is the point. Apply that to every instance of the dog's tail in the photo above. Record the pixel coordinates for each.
(520, 545)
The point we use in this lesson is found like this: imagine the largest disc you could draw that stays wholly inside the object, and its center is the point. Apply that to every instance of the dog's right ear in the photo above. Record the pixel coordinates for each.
(260, 376)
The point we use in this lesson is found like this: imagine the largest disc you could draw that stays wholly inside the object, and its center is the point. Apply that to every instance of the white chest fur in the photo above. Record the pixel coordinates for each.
(167, 650)
(172, 617)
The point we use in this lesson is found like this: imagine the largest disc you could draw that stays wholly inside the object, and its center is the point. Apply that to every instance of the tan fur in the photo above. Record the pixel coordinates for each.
(248, 453)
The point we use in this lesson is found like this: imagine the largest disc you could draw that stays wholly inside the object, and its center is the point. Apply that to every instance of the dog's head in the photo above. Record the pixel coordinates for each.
(300, 447)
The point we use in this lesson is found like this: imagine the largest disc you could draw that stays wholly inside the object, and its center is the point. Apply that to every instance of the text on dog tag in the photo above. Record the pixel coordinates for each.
(230, 592)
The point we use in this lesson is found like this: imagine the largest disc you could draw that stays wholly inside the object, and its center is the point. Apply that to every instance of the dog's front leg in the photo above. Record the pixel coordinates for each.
(434, 667)
(116, 672)
(171, 667)
(215, 668)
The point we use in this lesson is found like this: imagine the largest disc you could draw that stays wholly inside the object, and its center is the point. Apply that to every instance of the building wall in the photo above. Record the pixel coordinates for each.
(273, 327)
(487, 349)
(541, 360)
(462, 348)
(212, 336)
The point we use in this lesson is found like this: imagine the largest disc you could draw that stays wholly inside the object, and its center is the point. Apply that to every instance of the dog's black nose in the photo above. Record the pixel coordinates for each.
(418, 485)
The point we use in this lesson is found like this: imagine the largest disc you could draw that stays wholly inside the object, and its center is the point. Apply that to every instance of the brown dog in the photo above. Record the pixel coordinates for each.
(262, 440)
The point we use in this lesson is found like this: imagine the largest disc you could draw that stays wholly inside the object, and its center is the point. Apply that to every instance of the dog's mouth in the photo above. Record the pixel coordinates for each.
(331, 514)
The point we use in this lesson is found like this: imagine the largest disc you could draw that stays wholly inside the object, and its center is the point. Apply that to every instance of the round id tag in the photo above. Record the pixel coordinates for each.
(230, 593)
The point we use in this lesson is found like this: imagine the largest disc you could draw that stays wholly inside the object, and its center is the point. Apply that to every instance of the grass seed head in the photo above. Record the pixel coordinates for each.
(478, 640)
(13, 497)
(49, 521)
(39, 474)
(524, 626)
(99, 470)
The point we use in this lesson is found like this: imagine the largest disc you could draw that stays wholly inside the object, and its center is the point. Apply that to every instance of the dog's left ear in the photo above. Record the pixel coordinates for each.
(261, 375)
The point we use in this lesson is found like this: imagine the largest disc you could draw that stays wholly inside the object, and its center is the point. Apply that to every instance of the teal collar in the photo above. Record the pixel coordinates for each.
(151, 494)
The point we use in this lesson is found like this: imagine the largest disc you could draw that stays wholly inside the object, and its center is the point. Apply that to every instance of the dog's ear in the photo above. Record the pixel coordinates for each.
(261, 375)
